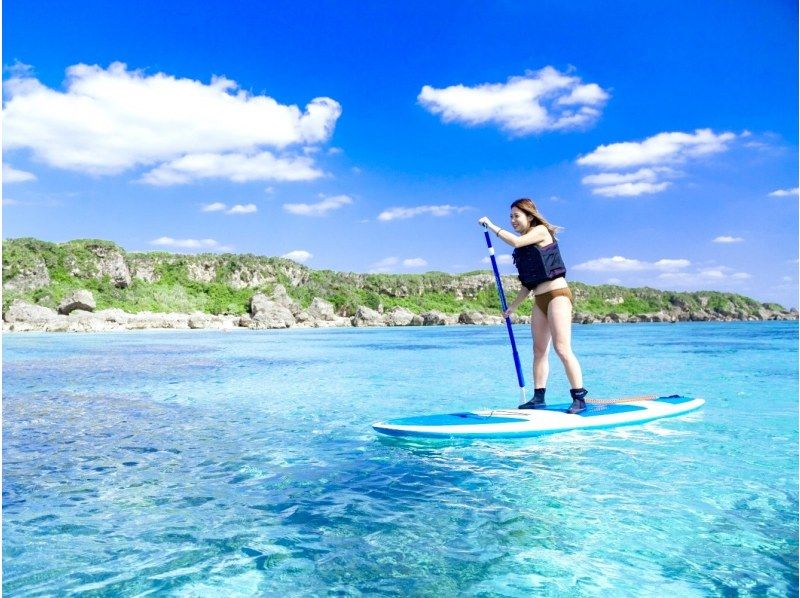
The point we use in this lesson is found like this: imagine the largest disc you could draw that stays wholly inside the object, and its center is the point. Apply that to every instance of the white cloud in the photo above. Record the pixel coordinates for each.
(7, 201)
(214, 207)
(12, 175)
(614, 178)
(630, 189)
(717, 274)
(655, 153)
(784, 192)
(728, 239)
(624, 264)
(240, 168)
(385, 265)
(667, 264)
(613, 281)
(321, 208)
(664, 148)
(249, 208)
(107, 121)
(502, 259)
(415, 262)
(210, 244)
(543, 100)
(298, 255)
(401, 213)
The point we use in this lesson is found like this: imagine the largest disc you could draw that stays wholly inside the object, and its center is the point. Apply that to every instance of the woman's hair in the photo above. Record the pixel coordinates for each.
(526, 205)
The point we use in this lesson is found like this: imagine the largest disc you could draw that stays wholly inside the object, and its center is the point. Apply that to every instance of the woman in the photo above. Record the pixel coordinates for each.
(541, 272)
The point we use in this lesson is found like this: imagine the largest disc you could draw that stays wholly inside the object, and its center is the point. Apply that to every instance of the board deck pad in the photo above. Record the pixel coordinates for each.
(518, 423)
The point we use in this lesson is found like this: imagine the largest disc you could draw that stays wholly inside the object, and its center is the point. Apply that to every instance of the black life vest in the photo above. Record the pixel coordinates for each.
(538, 264)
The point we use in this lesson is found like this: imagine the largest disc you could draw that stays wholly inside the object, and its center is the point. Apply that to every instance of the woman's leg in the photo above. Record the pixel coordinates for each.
(540, 328)
(559, 317)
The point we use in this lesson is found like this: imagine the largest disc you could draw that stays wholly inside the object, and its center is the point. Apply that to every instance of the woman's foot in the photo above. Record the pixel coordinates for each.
(578, 402)
(537, 402)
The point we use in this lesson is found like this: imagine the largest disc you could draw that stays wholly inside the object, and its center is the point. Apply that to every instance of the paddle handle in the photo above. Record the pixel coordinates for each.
(503, 303)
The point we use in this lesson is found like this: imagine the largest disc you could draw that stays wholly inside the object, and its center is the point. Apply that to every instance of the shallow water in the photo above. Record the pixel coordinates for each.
(207, 463)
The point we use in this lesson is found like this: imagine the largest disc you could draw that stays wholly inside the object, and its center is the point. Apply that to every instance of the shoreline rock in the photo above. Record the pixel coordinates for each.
(279, 311)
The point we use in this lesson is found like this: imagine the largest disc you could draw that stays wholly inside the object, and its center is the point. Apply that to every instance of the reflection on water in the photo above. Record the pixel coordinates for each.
(201, 463)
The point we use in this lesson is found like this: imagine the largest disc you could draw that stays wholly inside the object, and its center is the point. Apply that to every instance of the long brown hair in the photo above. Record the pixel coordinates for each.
(526, 205)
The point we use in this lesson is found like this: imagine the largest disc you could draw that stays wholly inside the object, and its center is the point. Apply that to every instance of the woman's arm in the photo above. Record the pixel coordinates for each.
(521, 296)
(536, 235)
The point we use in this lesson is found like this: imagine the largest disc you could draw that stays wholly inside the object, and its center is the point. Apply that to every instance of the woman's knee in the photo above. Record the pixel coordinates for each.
(541, 352)
(563, 350)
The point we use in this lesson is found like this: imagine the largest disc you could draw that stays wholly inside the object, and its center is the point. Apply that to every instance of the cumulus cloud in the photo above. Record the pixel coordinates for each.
(249, 208)
(672, 274)
(614, 184)
(385, 265)
(543, 100)
(321, 208)
(784, 192)
(402, 213)
(654, 158)
(218, 206)
(728, 239)
(12, 175)
(240, 168)
(415, 262)
(502, 259)
(210, 244)
(298, 255)
(664, 148)
(619, 263)
(705, 276)
(390, 264)
(107, 121)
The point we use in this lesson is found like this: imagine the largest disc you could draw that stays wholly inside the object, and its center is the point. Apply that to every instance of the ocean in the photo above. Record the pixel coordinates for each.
(193, 463)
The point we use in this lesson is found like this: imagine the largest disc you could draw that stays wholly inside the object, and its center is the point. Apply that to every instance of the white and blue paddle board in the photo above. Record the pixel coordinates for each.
(521, 423)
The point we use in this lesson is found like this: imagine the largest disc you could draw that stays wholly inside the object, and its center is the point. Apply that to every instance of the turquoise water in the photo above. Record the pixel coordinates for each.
(243, 463)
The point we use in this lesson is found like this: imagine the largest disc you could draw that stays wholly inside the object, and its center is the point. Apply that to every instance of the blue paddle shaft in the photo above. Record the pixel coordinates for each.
(499, 282)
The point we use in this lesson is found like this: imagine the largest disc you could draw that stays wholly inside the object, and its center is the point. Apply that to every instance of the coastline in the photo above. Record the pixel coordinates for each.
(281, 312)
(92, 285)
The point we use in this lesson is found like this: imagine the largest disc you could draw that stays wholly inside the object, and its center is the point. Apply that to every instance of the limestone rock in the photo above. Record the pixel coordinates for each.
(82, 299)
(433, 318)
(203, 271)
(111, 263)
(282, 298)
(399, 316)
(472, 317)
(113, 315)
(321, 310)
(266, 313)
(28, 279)
(367, 317)
(22, 311)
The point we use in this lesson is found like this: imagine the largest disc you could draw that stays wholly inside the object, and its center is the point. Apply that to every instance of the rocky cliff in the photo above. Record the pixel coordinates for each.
(42, 281)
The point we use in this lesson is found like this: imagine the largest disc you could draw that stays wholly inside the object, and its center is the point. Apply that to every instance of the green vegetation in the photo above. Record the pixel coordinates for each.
(44, 273)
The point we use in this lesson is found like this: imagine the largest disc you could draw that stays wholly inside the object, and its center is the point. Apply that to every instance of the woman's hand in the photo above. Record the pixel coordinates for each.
(485, 222)
(511, 309)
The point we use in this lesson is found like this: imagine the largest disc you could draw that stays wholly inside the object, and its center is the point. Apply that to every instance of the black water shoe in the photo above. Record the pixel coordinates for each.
(537, 402)
(534, 403)
(578, 402)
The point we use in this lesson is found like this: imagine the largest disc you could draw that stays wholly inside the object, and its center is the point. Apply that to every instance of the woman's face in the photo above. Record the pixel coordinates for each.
(520, 220)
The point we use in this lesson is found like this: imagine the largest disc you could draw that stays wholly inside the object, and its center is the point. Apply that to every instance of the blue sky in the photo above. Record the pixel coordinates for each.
(662, 136)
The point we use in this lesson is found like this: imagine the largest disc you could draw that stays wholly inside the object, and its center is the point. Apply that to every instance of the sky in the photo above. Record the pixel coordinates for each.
(371, 137)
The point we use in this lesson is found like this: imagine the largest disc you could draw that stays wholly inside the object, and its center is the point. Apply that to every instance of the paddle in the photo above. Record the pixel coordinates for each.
(499, 282)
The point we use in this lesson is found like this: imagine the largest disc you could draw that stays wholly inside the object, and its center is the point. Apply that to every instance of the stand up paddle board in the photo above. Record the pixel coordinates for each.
(521, 423)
